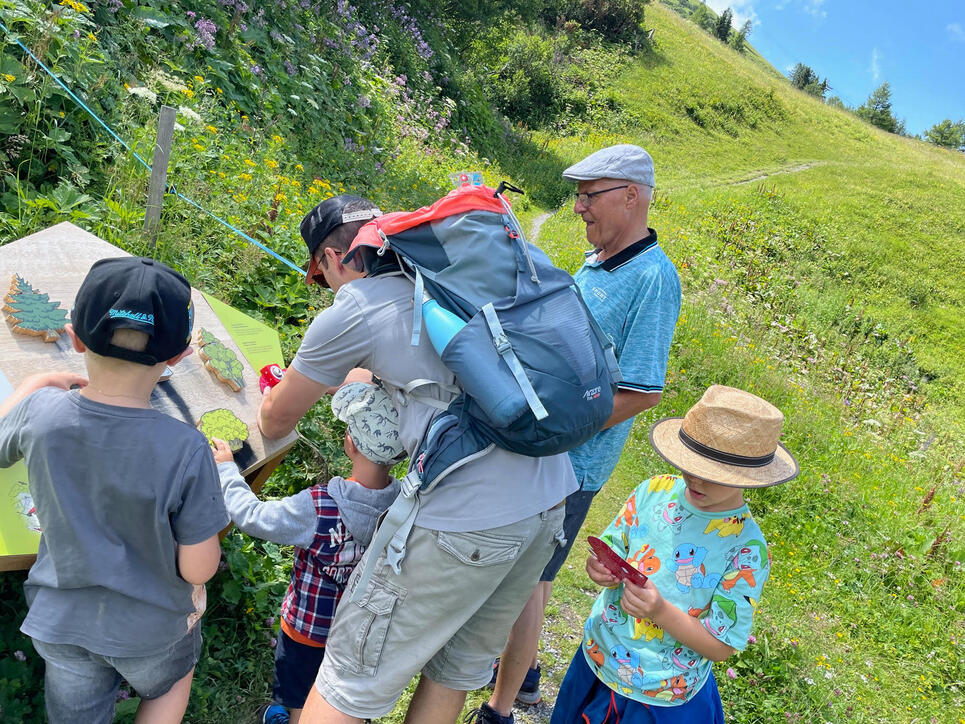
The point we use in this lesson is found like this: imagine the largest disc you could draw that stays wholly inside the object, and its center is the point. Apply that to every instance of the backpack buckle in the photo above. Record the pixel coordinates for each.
(385, 243)
(502, 343)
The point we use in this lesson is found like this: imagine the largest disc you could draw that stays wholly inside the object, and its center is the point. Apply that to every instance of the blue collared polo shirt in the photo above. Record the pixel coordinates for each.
(635, 297)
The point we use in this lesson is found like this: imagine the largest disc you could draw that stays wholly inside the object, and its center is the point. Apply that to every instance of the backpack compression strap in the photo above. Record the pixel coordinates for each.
(505, 350)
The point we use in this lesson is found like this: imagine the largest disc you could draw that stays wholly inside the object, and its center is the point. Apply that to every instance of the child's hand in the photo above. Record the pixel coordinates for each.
(63, 380)
(642, 601)
(599, 574)
(222, 452)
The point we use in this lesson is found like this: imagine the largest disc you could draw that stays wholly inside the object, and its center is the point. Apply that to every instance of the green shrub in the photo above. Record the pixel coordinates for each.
(619, 21)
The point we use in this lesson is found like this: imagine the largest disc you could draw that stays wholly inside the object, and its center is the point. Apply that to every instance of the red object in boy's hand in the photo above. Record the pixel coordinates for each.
(270, 376)
(614, 563)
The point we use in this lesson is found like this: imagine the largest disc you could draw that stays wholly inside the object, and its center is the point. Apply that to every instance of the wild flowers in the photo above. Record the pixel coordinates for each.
(204, 33)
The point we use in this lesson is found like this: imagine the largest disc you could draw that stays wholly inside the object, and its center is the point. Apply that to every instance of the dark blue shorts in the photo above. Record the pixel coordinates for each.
(577, 506)
(584, 699)
(295, 668)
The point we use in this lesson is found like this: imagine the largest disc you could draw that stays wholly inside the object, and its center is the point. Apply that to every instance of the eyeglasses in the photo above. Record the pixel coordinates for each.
(587, 199)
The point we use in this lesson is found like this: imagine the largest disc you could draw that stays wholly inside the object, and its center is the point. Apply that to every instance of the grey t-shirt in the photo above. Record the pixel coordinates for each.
(370, 325)
(116, 488)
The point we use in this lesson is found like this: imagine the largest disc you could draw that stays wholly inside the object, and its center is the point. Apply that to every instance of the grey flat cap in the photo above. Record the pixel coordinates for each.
(624, 161)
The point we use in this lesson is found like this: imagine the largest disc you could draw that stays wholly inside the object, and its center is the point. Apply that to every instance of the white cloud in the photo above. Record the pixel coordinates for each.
(956, 31)
(814, 7)
(875, 68)
(743, 10)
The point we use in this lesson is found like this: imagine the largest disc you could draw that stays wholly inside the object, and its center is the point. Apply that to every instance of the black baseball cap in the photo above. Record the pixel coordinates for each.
(134, 293)
(328, 216)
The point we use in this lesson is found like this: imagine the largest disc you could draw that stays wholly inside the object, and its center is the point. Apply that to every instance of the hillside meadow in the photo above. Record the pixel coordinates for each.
(822, 262)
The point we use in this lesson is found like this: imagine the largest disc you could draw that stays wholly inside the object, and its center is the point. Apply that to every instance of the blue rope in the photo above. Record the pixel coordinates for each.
(174, 192)
(171, 190)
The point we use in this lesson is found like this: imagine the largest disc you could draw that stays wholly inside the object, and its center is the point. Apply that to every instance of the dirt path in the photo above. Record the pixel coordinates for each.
(538, 224)
(789, 169)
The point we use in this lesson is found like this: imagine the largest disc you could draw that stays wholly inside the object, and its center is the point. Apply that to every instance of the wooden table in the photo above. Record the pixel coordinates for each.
(55, 261)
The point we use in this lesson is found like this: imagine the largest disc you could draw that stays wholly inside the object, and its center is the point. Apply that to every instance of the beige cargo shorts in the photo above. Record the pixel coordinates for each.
(447, 614)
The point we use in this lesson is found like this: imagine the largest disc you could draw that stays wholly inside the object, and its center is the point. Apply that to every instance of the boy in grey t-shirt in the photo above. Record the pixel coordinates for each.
(128, 499)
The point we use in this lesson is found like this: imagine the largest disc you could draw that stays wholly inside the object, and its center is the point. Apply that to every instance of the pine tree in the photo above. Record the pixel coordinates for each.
(877, 109)
(947, 134)
(32, 312)
(722, 29)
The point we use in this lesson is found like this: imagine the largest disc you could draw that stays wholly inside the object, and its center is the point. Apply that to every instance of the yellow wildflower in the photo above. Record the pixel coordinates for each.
(245, 177)
(280, 197)
(218, 90)
(91, 36)
(271, 164)
(188, 92)
(249, 162)
(9, 78)
(199, 79)
(198, 147)
(299, 167)
(277, 139)
(74, 5)
(211, 129)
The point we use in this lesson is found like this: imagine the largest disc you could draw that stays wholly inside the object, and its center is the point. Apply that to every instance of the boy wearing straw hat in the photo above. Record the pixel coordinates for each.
(647, 650)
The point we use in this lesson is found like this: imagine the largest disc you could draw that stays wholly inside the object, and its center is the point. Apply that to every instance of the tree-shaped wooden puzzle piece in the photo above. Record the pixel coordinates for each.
(223, 362)
(31, 312)
(224, 425)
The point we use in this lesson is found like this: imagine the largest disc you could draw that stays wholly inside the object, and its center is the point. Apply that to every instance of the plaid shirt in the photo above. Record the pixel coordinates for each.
(320, 572)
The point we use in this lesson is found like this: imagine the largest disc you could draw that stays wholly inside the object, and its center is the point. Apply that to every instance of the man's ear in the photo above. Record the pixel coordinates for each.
(633, 195)
(334, 257)
(75, 341)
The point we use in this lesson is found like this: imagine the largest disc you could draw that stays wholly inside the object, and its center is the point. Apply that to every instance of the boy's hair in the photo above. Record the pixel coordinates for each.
(371, 420)
(136, 294)
(131, 339)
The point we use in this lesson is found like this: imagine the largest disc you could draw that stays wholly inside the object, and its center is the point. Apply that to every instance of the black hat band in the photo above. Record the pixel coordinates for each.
(720, 456)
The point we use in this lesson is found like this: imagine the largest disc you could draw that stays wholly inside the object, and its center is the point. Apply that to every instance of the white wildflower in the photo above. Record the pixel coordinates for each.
(189, 114)
(142, 92)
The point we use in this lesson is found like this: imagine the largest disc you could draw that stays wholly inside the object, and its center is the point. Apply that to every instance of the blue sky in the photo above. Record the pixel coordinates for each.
(918, 47)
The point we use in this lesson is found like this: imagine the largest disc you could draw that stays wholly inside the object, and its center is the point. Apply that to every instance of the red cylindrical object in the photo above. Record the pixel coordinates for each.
(270, 376)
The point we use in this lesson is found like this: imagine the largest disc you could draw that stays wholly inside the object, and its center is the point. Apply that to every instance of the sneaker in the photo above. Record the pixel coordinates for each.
(273, 714)
(485, 714)
(529, 691)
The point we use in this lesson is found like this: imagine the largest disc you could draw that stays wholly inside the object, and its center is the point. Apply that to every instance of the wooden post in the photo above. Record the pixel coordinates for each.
(159, 172)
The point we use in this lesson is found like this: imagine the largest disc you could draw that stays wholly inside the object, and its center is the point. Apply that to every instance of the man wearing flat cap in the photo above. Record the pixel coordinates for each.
(633, 291)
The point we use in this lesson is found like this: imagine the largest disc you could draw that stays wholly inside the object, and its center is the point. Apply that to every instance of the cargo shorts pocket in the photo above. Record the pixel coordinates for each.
(372, 623)
(480, 549)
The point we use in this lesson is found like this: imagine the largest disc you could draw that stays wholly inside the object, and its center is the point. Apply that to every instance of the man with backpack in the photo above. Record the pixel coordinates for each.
(477, 542)
(633, 291)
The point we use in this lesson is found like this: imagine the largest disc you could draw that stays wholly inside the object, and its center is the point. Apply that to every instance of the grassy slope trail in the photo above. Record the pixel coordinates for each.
(794, 224)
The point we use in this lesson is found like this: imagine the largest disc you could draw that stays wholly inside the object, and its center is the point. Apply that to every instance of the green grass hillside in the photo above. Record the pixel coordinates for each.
(822, 260)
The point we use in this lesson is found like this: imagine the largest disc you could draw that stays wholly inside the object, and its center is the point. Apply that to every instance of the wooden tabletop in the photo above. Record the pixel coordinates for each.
(55, 262)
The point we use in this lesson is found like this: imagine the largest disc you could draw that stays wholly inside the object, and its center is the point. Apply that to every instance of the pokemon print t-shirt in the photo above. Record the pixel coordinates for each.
(711, 565)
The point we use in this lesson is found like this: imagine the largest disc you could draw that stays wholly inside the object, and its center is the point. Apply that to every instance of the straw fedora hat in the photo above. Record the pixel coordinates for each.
(729, 437)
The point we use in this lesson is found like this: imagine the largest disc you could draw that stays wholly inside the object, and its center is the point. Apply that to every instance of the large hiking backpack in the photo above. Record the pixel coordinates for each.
(536, 372)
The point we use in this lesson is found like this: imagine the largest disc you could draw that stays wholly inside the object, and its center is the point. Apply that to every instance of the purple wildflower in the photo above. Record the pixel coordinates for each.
(289, 68)
(204, 34)
(364, 101)
(19, 655)
(731, 674)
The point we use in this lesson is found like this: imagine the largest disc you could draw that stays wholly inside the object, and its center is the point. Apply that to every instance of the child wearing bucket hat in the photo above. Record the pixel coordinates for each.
(330, 526)
(648, 650)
